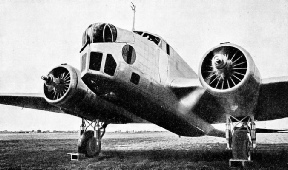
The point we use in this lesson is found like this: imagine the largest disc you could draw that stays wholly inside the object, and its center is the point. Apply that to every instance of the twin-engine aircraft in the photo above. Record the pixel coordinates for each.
(130, 77)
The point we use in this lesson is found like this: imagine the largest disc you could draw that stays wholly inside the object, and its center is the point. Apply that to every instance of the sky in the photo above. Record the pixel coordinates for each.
(36, 36)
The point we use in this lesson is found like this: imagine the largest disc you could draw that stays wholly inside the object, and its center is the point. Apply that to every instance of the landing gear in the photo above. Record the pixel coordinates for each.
(241, 138)
(241, 148)
(89, 142)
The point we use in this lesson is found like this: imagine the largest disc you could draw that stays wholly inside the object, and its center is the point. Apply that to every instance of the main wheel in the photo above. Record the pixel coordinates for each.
(93, 148)
(241, 145)
(88, 145)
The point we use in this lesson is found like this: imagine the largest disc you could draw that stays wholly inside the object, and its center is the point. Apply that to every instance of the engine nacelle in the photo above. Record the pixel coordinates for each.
(65, 89)
(228, 72)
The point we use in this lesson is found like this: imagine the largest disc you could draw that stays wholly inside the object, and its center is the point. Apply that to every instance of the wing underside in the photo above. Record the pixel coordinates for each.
(273, 100)
(272, 103)
(38, 102)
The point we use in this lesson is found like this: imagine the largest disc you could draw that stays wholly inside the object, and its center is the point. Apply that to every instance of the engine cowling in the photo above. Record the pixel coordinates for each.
(65, 89)
(228, 72)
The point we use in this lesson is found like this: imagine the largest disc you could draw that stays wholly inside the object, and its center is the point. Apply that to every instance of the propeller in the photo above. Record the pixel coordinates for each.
(224, 67)
(56, 83)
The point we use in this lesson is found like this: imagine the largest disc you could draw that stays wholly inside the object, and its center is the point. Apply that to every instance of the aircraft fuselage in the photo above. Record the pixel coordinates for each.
(133, 72)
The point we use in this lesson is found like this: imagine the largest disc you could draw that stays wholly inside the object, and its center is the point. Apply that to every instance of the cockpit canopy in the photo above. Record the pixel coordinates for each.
(99, 32)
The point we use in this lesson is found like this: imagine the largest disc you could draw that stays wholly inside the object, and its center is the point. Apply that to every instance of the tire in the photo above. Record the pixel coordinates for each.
(241, 145)
(87, 144)
(93, 148)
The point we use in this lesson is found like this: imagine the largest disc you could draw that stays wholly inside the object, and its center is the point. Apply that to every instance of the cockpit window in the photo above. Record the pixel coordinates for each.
(107, 34)
(110, 65)
(138, 32)
(95, 61)
(99, 33)
(152, 38)
(85, 37)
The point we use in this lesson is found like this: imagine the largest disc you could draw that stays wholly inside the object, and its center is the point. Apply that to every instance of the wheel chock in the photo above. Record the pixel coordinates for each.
(77, 156)
(235, 163)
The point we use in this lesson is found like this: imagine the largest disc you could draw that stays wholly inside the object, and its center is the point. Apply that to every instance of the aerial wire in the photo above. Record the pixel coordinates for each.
(134, 10)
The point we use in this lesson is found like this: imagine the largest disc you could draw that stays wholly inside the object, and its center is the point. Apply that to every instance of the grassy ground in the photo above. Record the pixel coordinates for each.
(135, 151)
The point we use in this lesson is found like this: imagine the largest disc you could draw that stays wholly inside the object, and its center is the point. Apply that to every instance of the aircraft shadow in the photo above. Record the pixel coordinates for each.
(157, 155)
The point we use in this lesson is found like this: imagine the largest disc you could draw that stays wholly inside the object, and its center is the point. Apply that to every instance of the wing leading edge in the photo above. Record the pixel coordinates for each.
(37, 101)
(28, 100)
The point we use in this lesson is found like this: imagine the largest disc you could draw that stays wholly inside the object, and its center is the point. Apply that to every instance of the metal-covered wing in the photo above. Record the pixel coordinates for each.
(37, 101)
(28, 100)
(273, 99)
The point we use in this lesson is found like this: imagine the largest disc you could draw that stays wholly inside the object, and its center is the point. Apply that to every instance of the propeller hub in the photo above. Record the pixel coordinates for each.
(219, 61)
(47, 79)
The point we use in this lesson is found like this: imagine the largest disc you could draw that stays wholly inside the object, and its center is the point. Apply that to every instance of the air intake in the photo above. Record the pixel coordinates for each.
(57, 83)
(224, 67)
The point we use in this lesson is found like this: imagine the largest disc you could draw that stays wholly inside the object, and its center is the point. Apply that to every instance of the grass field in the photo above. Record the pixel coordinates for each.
(157, 150)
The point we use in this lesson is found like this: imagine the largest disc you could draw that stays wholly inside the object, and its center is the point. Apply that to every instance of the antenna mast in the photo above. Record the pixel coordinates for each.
(134, 10)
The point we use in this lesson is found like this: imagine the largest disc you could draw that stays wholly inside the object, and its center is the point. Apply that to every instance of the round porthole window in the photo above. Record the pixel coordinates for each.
(129, 54)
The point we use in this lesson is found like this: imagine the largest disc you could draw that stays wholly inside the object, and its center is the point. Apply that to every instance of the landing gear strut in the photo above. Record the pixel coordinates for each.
(241, 137)
(89, 142)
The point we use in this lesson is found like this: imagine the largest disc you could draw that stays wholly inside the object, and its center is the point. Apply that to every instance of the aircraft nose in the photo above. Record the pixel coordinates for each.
(99, 63)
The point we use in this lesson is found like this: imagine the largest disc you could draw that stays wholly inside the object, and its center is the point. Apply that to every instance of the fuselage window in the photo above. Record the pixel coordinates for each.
(168, 49)
(110, 65)
(135, 78)
(128, 53)
(95, 61)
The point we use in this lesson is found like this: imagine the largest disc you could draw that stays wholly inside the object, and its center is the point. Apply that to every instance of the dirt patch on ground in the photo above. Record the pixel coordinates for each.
(136, 151)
